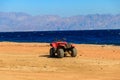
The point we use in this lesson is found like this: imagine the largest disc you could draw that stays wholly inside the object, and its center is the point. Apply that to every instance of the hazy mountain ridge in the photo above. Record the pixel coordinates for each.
(24, 22)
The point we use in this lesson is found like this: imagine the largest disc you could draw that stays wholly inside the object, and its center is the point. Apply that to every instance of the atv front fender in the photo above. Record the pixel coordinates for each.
(53, 45)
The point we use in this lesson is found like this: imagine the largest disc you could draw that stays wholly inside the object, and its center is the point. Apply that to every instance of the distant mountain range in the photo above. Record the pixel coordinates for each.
(24, 22)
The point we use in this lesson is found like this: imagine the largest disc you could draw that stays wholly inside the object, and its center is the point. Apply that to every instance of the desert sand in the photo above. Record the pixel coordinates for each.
(31, 61)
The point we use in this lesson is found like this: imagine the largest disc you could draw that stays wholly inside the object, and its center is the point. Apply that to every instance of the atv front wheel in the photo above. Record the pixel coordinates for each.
(52, 52)
(60, 53)
(73, 52)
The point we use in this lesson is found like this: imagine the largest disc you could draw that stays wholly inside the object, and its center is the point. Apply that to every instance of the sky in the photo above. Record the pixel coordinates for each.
(61, 7)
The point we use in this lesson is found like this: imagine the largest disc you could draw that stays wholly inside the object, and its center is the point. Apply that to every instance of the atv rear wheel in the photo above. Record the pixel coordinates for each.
(60, 53)
(73, 52)
(52, 52)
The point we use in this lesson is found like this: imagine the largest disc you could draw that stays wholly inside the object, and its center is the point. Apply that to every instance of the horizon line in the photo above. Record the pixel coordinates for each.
(59, 30)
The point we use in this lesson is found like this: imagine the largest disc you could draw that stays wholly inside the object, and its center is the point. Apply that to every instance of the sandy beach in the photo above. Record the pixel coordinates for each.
(31, 61)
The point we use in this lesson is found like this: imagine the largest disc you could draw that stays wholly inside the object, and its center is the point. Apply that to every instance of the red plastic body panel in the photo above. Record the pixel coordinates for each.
(59, 43)
(53, 45)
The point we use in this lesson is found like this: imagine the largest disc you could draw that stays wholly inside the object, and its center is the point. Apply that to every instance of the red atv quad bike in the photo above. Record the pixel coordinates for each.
(61, 49)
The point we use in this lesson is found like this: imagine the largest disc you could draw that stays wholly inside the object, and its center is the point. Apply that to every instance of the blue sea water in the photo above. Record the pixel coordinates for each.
(80, 37)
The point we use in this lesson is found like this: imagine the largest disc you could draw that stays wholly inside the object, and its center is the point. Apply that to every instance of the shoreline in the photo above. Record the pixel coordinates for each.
(49, 43)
